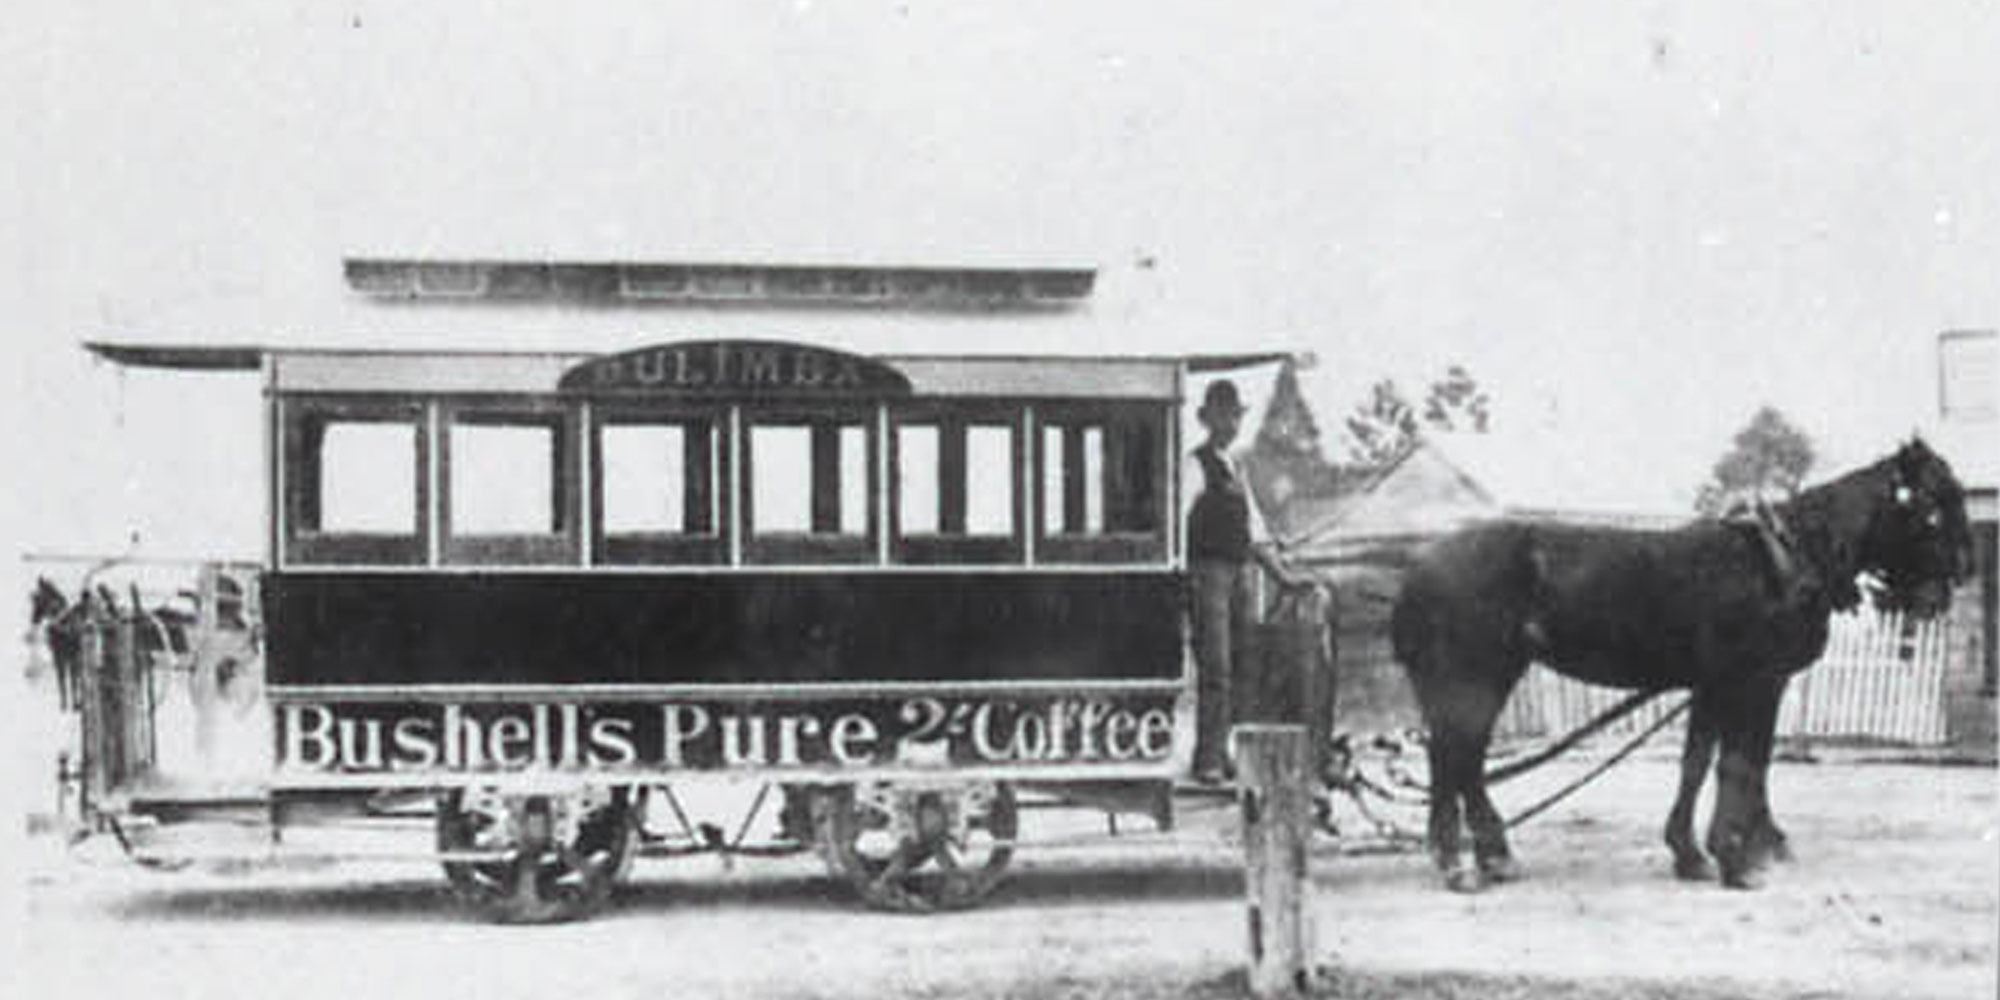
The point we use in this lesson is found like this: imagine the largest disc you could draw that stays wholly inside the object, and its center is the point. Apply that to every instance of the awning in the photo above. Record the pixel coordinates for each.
(1209, 364)
(185, 357)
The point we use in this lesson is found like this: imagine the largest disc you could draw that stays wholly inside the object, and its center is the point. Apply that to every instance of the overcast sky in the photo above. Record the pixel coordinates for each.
(1635, 222)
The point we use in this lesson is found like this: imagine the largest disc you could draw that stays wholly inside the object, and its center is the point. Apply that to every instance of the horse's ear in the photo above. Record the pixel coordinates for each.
(1911, 457)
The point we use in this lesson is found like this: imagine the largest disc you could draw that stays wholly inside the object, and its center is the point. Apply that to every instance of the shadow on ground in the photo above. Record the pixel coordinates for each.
(425, 901)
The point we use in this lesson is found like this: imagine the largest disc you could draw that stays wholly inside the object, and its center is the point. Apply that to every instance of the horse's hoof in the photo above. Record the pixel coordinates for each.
(1741, 877)
(1463, 879)
(1500, 869)
(1781, 851)
(1693, 868)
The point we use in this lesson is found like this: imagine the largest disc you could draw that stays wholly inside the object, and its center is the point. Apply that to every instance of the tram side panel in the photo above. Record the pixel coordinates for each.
(1022, 673)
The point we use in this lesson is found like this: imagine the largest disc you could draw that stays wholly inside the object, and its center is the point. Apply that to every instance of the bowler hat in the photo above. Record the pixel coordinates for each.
(1221, 397)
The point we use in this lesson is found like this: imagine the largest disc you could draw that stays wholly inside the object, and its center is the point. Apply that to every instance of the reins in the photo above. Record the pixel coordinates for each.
(1625, 706)
(1602, 766)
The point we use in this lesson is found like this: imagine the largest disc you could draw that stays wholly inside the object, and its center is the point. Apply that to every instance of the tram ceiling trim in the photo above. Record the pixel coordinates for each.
(710, 283)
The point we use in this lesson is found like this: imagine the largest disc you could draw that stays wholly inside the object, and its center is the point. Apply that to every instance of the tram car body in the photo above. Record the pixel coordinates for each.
(537, 591)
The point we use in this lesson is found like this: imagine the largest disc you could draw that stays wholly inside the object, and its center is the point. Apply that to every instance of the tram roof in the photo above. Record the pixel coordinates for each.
(471, 371)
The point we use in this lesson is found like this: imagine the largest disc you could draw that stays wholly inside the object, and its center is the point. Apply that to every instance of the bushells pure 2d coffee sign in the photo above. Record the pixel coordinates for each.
(484, 736)
(735, 368)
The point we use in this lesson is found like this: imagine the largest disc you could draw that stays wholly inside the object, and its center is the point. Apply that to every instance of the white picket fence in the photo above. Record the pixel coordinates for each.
(1882, 678)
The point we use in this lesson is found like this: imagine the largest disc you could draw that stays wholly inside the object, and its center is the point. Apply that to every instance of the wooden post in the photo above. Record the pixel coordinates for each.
(1274, 764)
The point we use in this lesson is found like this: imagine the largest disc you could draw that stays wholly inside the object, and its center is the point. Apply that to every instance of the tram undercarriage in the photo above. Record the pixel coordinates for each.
(516, 853)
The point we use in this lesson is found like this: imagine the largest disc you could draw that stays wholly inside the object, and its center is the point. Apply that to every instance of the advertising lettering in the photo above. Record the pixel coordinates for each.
(711, 735)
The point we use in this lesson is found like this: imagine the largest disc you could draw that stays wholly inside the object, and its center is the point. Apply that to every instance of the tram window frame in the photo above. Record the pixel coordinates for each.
(769, 548)
(305, 541)
(559, 546)
(943, 545)
(1055, 544)
(641, 548)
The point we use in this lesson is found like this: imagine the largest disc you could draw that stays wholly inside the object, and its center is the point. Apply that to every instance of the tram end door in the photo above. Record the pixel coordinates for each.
(167, 692)
(113, 702)
(228, 717)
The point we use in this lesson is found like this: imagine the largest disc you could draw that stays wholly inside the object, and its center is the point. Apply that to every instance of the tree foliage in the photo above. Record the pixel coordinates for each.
(1382, 427)
(1768, 457)
(1386, 424)
(1457, 403)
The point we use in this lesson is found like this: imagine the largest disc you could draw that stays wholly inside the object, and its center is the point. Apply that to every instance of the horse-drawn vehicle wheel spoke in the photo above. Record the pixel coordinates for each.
(534, 880)
(929, 868)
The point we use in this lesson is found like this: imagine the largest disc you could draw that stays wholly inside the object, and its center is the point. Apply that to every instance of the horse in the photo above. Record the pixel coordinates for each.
(58, 624)
(1727, 611)
(163, 633)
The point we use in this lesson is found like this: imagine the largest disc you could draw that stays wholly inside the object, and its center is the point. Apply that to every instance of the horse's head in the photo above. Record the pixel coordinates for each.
(47, 603)
(1918, 540)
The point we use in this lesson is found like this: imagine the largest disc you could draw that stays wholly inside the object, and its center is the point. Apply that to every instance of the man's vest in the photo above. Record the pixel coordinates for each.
(1219, 522)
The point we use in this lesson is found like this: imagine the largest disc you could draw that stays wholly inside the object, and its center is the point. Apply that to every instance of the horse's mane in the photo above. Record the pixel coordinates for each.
(1829, 521)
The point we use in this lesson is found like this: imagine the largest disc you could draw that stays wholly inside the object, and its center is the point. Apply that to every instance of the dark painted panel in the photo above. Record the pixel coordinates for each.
(721, 628)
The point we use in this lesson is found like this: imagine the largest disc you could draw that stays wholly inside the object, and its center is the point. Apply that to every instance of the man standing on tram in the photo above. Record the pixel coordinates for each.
(1227, 544)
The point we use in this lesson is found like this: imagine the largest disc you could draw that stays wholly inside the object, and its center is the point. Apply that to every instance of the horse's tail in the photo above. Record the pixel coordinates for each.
(1410, 619)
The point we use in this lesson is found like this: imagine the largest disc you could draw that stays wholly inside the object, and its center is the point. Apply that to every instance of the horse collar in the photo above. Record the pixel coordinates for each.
(1781, 547)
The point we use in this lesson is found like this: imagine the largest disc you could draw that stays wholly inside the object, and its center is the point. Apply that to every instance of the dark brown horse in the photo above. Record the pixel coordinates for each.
(1725, 610)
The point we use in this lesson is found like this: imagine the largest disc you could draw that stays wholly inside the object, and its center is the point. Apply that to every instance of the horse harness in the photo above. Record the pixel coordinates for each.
(1791, 577)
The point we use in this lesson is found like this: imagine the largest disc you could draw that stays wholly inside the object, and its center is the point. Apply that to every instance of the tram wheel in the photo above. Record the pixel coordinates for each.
(562, 854)
(917, 850)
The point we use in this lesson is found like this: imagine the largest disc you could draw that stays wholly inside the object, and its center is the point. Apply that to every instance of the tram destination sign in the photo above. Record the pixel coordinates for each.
(724, 734)
(735, 368)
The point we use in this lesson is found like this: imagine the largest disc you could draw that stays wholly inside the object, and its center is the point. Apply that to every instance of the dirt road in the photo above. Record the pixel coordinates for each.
(1895, 893)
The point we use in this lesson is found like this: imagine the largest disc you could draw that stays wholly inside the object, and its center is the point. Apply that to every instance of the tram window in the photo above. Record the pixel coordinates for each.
(656, 499)
(1102, 488)
(367, 480)
(354, 488)
(957, 473)
(644, 482)
(508, 478)
(989, 475)
(955, 479)
(917, 494)
(809, 482)
(657, 478)
(504, 479)
(1073, 479)
(853, 515)
(781, 492)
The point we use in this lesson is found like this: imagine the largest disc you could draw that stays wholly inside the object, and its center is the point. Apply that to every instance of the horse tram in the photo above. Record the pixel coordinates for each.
(532, 599)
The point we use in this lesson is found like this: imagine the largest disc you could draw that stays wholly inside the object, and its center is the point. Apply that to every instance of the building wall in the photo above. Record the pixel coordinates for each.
(1970, 686)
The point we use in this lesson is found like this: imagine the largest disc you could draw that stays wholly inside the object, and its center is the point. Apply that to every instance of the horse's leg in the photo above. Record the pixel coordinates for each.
(1741, 714)
(1460, 716)
(1767, 841)
(1769, 836)
(1426, 661)
(1697, 755)
(1489, 831)
(1444, 815)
